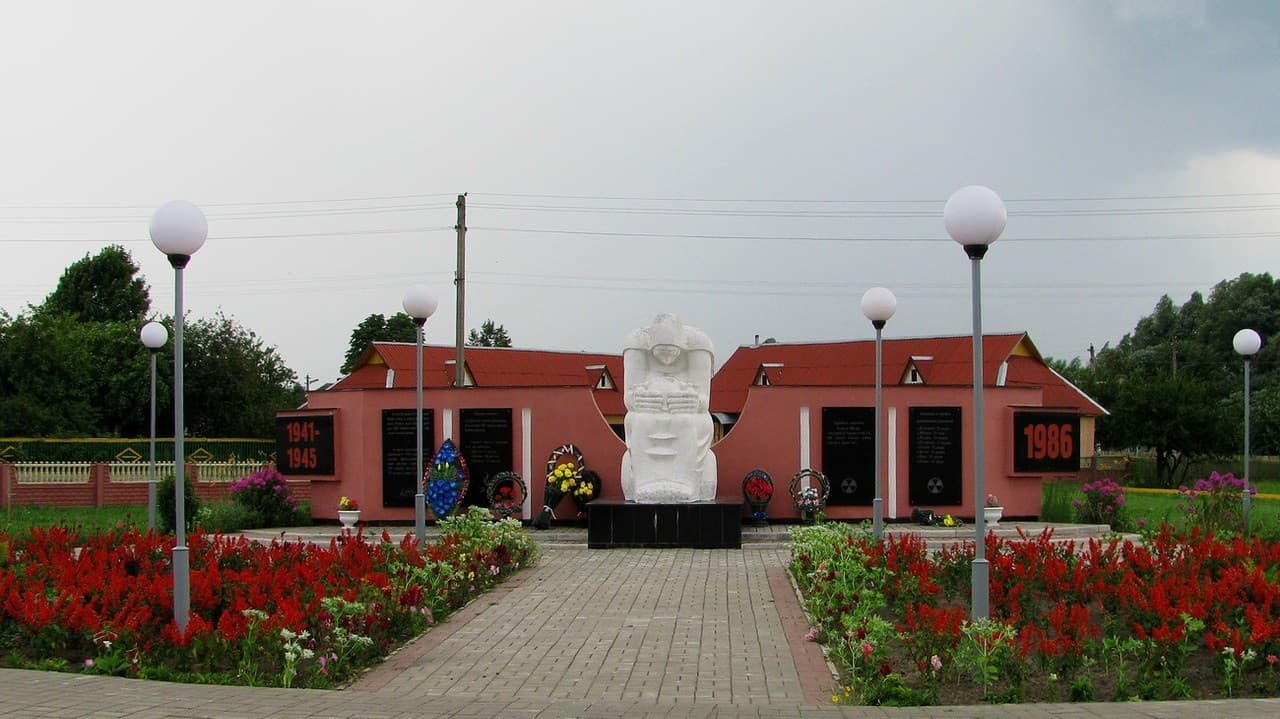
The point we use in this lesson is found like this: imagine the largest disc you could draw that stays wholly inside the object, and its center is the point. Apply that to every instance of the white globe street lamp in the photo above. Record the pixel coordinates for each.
(878, 305)
(974, 217)
(179, 229)
(1246, 343)
(419, 303)
(153, 336)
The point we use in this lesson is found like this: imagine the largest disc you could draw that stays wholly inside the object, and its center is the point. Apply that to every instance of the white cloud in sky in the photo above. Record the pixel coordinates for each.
(803, 115)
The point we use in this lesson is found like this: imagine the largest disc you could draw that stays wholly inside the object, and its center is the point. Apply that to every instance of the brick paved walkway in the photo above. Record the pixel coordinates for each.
(586, 633)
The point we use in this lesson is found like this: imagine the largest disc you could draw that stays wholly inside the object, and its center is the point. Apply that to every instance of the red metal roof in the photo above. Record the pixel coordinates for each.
(489, 367)
(940, 361)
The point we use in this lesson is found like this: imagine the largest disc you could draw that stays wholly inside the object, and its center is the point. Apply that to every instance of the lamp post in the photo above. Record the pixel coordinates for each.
(878, 305)
(419, 303)
(178, 229)
(153, 336)
(1247, 343)
(974, 217)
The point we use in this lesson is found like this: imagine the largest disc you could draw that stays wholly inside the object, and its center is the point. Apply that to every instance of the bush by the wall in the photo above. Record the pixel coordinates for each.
(165, 508)
(266, 492)
(227, 517)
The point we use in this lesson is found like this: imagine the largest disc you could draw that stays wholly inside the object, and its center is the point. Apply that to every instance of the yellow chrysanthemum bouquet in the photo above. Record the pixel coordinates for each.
(567, 476)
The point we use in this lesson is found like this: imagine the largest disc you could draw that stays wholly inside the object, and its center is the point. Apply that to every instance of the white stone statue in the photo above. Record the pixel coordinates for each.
(667, 369)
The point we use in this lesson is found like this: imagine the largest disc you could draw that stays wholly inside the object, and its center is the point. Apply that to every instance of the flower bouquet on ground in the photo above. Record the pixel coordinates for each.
(757, 487)
(588, 489)
(809, 491)
(562, 481)
(506, 493)
(446, 480)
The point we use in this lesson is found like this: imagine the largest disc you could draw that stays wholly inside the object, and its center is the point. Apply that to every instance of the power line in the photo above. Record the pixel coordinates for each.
(274, 236)
(246, 215)
(932, 200)
(940, 238)
(257, 203)
(868, 214)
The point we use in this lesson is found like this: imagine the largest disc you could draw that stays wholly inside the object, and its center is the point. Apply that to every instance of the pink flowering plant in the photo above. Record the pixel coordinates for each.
(266, 494)
(1214, 504)
(1103, 503)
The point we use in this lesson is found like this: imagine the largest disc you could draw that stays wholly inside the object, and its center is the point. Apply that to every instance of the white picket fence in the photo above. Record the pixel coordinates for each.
(126, 472)
(225, 471)
(52, 472)
(129, 472)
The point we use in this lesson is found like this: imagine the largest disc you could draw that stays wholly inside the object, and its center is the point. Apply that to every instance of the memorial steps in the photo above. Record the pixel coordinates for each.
(772, 536)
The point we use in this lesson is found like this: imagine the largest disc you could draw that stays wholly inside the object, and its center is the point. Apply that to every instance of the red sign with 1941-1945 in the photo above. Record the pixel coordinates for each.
(1046, 442)
(304, 444)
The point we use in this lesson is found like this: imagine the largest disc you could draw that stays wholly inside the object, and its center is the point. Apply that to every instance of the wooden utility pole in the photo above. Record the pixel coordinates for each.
(460, 281)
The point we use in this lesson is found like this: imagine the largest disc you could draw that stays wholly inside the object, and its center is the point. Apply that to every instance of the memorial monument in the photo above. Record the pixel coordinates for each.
(667, 368)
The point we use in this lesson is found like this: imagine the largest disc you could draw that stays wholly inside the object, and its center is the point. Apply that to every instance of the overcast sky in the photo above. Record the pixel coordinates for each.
(751, 166)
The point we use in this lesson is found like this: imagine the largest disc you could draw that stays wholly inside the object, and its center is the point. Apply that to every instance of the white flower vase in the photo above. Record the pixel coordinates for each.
(348, 517)
(992, 515)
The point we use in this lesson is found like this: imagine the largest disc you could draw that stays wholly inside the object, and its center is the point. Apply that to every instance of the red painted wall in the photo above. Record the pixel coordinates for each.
(766, 436)
(557, 415)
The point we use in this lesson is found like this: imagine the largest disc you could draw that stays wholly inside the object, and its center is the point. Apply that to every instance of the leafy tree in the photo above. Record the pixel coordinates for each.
(102, 288)
(1174, 384)
(489, 335)
(49, 377)
(233, 383)
(74, 366)
(378, 328)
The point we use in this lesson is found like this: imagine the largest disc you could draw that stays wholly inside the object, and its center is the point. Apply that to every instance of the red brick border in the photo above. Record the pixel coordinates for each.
(409, 653)
(815, 674)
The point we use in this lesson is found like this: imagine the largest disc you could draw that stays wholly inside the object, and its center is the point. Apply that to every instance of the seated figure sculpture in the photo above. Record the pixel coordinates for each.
(667, 369)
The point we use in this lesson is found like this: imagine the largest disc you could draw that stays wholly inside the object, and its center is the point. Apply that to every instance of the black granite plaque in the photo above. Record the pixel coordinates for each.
(849, 454)
(484, 438)
(935, 473)
(400, 454)
(304, 444)
(1046, 442)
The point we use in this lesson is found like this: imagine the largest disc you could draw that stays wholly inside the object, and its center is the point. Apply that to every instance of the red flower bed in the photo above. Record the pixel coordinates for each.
(1173, 616)
(95, 600)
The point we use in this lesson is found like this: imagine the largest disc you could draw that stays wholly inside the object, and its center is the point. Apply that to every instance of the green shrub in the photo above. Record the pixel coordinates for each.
(165, 507)
(1215, 503)
(266, 492)
(228, 517)
(1103, 503)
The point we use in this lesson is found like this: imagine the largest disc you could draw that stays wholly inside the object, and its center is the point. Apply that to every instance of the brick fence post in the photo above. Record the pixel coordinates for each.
(6, 482)
(99, 476)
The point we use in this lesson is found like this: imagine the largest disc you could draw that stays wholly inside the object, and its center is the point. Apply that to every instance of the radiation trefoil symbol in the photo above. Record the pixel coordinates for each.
(935, 485)
(849, 485)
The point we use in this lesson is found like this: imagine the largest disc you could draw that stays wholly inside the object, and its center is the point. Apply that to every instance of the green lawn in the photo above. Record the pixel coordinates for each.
(1153, 509)
(16, 520)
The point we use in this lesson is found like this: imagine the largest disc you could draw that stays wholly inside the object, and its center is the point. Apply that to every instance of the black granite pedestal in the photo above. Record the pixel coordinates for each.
(616, 523)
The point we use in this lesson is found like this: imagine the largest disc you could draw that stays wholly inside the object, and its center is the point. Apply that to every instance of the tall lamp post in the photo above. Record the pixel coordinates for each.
(878, 305)
(178, 229)
(974, 217)
(1247, 343)
(153, 336)
(419, 303)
